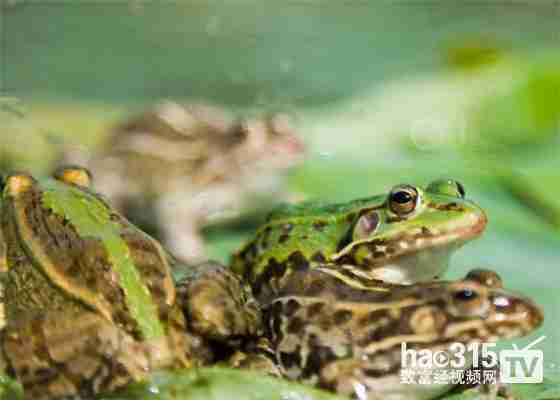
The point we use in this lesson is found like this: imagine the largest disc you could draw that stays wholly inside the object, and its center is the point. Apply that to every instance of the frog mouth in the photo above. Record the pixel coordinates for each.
(420, 254)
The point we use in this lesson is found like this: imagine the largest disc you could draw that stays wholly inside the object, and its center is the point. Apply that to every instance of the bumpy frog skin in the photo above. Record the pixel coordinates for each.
(89, 300)
(91, 305)
(349, 341)
(404, 237)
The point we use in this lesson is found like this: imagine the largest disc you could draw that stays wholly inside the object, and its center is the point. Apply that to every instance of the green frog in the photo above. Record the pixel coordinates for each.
(90, 303)
(403, 237)
(350, 341)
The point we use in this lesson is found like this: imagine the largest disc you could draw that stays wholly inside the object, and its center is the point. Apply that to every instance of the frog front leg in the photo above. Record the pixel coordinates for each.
(256, 356)
(489, 388)
(366, 380)
(54, 357)
(218, 305)
(495, 390)
(181, 222)
(377, 378)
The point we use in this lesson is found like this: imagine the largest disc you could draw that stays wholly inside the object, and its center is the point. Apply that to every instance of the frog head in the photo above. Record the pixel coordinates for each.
(471, 311)
(442, 320)
(351, 341)
(437, 314)
(412, 234)
(270, 142)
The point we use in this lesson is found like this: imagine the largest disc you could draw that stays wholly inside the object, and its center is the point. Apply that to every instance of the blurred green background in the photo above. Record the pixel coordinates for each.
(383, 92)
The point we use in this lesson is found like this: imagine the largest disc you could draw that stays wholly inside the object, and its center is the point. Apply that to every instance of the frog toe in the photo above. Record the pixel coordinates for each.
(218, 305)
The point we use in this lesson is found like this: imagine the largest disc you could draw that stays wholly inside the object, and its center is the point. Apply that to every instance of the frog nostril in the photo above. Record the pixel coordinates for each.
(460, 189)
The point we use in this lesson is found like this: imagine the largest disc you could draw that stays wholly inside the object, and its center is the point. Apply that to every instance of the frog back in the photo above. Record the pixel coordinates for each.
(309, 211)
(295, 238)
(79, 253)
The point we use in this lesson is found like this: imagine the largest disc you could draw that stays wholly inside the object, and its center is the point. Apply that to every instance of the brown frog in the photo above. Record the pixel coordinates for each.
(186, 166)
(323, 332)
(90, 302)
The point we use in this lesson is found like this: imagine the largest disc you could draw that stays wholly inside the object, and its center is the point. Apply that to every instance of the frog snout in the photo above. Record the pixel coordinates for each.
(480, 220)
(519, 310)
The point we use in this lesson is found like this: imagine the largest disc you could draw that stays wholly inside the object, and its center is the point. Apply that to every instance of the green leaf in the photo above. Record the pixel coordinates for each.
(548, 390)
(218, 384)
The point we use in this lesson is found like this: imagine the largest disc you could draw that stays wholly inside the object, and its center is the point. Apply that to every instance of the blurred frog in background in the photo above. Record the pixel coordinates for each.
(176, 168)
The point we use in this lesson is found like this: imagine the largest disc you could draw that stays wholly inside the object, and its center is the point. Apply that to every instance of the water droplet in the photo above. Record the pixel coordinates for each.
(153, 389)
(326, 154)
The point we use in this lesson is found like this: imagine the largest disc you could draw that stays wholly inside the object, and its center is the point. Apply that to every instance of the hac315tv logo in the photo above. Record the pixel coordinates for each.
(476, 363)
(522, 365)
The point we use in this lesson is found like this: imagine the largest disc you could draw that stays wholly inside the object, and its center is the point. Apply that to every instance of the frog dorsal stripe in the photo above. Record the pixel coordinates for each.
(91, 219)
(352, 277)
(33, 246)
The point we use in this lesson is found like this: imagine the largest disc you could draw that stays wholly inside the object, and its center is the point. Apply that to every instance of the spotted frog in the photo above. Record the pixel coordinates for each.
(403, 237)
(176, 168)
(349, 341)
(90, 302)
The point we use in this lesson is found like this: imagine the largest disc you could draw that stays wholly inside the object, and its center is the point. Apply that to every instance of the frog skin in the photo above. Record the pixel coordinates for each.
(349, 341)
(176, 168)
(404, 237)
(90, 303)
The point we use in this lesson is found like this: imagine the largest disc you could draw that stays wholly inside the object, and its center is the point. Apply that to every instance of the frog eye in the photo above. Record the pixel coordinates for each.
(403, 199)
(468, 300)
(73, 175)
(465, 295)
(485, 277)
(17, 183)
(448, 187)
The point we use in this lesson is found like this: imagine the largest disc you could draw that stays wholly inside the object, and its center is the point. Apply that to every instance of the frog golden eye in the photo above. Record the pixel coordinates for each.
(17, 183)
(485, 277)
(73, 175)
(448, 187)
(403, 199)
